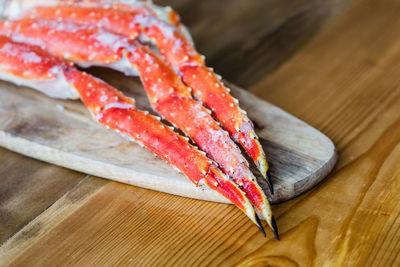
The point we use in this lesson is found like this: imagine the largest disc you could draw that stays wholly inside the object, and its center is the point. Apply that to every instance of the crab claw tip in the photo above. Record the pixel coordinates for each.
(274, 228)
(259, 225)
(262, 165)
(269, 181)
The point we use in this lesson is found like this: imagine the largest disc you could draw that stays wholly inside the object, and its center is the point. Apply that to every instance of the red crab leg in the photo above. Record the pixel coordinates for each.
(168, 95)
(31, 66)
(206, 85)
(14, 8)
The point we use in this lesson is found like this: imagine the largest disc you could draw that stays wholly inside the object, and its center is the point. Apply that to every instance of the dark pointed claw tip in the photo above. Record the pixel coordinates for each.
(274, 228)
(269, 181)
(260, 226)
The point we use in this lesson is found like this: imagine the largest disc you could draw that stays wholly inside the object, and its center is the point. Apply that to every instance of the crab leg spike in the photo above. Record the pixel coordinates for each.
(268, 178)
(260, 226)
(31, 66)
(274, 228)
(180, 53)
(168, 95)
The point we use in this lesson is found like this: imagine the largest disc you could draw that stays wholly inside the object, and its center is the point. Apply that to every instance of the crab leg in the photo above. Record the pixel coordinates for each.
(31, 66)
(13, 8)
(168, 95)
(181, 54)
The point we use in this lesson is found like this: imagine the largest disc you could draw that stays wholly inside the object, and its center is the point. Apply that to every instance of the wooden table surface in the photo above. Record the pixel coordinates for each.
(334, 64)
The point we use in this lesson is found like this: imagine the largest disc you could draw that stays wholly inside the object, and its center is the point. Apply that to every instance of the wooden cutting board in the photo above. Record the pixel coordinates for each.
(62, 132)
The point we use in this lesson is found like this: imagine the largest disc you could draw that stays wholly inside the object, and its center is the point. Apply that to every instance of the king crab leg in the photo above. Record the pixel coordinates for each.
(13, 8)
(181, 54)
(31, 66)
(168, 95)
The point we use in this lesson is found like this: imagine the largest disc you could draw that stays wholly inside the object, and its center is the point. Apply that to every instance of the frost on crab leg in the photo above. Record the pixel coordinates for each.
(31, 66)
(96, 46)
(182, 55)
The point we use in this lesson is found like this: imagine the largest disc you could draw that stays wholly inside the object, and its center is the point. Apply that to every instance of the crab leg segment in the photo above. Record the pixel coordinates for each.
(181, 54)
(30, 66)
(14, 8)
(168, 95)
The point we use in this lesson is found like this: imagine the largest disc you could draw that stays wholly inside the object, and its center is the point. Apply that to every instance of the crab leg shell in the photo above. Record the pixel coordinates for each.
(30, 65)
(181, 53)
(160, 81)
(14, 8)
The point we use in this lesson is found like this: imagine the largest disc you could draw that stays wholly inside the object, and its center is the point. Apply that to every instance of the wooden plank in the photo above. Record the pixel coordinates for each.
(349, 78)
(36, 125)
(26, 189)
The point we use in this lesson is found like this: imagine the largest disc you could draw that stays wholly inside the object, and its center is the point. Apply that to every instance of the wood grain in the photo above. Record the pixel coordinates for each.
(35, 125)
(26, 189)
(345, 82)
